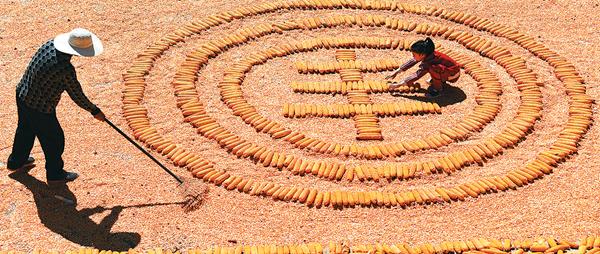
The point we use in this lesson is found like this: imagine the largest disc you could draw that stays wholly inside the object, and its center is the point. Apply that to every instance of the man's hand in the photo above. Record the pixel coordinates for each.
(100, 117)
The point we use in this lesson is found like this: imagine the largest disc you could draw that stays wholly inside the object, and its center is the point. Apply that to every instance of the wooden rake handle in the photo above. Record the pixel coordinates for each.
(143, 150)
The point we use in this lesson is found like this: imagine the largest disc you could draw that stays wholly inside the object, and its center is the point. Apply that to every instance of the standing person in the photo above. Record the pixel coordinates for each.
(48, 75)
(440, 67)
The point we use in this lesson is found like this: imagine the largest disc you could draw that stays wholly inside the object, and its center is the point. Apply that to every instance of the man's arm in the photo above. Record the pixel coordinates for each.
(75, 91)
(87, 212)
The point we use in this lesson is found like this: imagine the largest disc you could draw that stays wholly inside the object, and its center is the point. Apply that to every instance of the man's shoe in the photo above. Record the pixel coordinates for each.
(29, 161)
(69, 177)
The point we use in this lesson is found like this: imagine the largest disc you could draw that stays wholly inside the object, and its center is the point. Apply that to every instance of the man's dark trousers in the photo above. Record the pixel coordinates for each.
(46, 128)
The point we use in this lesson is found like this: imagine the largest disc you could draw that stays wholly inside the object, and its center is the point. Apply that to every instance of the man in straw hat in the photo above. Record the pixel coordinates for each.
(48, 75)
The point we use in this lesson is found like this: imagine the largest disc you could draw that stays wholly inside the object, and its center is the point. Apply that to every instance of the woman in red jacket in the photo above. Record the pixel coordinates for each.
(440, 67)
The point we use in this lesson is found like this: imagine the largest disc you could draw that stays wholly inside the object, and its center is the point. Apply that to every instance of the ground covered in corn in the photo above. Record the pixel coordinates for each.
(122, 199)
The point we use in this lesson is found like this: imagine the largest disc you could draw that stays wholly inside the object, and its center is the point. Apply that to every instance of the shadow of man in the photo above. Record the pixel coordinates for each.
(76, 226)
(450, 95)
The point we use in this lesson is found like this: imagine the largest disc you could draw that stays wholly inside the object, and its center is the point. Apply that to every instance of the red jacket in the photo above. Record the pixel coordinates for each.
(438, 65)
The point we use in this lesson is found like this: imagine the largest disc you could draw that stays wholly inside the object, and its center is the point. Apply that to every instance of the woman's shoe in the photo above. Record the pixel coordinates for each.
(432, 93)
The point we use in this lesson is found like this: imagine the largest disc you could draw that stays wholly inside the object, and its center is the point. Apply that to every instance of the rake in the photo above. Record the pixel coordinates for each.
(194, 194)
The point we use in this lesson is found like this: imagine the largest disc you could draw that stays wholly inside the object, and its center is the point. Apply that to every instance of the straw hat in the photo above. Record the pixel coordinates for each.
(79, 42)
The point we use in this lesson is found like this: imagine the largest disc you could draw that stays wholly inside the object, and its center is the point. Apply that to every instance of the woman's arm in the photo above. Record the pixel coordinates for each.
(410, 63)
(414, 77)
(410, 79)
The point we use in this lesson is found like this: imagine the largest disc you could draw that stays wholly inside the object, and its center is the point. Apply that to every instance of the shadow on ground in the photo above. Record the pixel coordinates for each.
(450, 95)
(62, 217)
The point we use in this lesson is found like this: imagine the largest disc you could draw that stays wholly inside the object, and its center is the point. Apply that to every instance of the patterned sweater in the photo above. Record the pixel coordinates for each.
(48, 75)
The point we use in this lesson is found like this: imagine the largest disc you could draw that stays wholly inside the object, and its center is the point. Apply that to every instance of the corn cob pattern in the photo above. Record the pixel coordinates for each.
(360, 107)
(364, 113)
(488, 106)
(547, 245)
(339, 87)
(352, 85)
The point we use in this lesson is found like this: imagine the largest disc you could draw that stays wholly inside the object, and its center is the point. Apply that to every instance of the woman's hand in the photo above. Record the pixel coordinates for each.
(395, 85)
(391, 76)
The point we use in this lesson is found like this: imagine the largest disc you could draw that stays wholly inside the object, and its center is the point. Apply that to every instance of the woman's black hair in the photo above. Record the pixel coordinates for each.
(423, 46)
